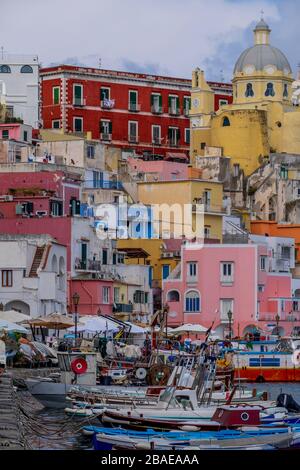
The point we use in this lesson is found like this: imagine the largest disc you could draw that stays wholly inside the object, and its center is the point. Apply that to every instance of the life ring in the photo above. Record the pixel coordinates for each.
(141, 373)
(79, 366)
(158, 375)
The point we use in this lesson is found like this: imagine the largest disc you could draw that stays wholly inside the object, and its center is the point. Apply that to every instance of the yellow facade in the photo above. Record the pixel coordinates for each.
(261, 118)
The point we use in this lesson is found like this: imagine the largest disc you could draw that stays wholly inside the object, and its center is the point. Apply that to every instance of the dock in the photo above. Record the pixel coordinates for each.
(11, 436)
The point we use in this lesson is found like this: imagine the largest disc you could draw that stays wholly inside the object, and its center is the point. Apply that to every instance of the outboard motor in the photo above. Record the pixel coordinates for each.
(287, 401)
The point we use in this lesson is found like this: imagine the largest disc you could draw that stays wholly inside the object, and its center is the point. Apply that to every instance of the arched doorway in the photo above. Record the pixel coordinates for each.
(19, 306)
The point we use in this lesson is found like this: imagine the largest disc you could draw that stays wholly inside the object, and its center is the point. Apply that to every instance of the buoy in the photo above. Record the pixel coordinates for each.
(141, 373)
(79, 365)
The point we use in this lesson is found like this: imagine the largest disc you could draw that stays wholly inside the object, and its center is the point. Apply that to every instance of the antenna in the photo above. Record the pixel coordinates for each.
(100, 62)
(2, 51)
(262, 14)
(221, 76)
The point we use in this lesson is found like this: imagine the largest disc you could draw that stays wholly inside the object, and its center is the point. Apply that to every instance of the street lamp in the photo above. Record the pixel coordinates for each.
(277, 319)
(165, 312)
(229, 315)
(76, 299)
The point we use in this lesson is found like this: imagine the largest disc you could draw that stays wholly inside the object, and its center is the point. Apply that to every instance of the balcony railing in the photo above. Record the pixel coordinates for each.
(173, 111)
(208, 208)
(108, 185)
(173, 142)
(133, 139)
(105, 136)
(186, 112)
(126, 308)
(79, 101)
(134, 107)
(156, 141)
(156, 109)
(271, 317)
(88, 265)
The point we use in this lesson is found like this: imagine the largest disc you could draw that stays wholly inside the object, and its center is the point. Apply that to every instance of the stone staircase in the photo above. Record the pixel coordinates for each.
(36, 261)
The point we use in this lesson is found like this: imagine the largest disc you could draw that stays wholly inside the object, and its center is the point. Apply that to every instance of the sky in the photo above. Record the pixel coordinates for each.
(167, 37)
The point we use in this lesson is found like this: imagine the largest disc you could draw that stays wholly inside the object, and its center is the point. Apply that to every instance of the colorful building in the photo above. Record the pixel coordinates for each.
(262, 117)
(148, 114)
(251, 281)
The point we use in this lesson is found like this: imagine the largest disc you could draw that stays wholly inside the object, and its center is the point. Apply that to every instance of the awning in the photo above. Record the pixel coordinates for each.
(134, 252)
(177, 156)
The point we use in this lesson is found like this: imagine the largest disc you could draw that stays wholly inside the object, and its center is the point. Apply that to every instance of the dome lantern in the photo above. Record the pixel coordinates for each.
(262, 33)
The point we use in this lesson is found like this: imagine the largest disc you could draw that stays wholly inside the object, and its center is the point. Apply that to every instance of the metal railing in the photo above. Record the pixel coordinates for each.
(126, 308)
(156, 109)
(134, 107)
(133, 139)
(174, 111)
(105, 136)
(79, 101)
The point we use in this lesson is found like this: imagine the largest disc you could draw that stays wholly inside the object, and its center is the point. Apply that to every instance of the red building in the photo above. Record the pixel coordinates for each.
(145, 113)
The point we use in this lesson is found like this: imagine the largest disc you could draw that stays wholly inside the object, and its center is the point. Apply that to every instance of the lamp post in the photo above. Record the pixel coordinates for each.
(277, 319)
(229, 315)
(76, 299)
(166, 311)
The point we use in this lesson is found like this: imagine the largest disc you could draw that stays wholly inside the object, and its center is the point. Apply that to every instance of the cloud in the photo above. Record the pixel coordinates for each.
(160, 36)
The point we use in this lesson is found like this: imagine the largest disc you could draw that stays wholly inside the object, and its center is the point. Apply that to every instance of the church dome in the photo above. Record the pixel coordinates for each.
(262, 53)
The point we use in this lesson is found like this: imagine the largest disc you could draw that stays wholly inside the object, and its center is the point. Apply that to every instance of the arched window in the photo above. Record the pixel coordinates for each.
(249, 90)
(192, 301)
(26, 69)
(226, 122)
(285, 91)
(270, 90)
(5, 69)
(173, 296)
(62, 273)
(54, 264)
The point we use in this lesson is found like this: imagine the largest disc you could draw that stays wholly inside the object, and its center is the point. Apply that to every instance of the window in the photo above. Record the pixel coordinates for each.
(286, 252)
(249, 90)
(104, 93)
(226, 122)
(156, 103)
(236, 169)
(186, 105)
(173, 296)
(192, 301)
(26, 69)
(296, 305)
(173, 136)
(5, 134)
(206, 198)
(56, 124)
(165, 271)
(285, 91)
(78, 124)
(140, 297)
(187, 135)
(206, 231)
(5, 69)
(226, 305)
(56, 208)
(223, 102)
(173, 105)
(25, 136)
(105, 295)
(191, 270)
(270, 90)
(156, 135)
(77, 94)
(263, 263)
(227, 272)
(132, 131)
(114, 258)
(105, 130)
(261, 288)
(90, 151)
(203, 145)
(116, 294)
(133, 100)
(104, 256)
(284, 171)
(7, 278)
(56, 94)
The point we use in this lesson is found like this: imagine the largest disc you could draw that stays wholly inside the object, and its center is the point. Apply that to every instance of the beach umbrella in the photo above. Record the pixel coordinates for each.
(189, 328)
(9, 326)
(14, 316)
(55, 321)
(135, 329)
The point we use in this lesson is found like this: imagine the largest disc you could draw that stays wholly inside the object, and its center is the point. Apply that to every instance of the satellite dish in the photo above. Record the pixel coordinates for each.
(296, 357)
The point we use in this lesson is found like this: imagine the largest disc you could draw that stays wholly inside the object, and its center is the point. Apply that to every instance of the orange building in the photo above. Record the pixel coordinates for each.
(273, 229)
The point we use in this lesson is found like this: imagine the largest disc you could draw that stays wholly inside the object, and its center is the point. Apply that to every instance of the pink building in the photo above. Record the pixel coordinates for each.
(158, 170)
(16, 131)
(96, 296)
(249, 280)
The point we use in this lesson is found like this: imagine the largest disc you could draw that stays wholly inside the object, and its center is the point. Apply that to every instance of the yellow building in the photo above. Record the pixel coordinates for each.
(261, 119)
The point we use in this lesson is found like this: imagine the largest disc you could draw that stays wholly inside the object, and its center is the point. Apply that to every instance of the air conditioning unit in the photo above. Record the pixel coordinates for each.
(8, 197)
(41, 213)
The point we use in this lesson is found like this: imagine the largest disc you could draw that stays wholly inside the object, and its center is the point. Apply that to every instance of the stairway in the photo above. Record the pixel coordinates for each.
(36, 261)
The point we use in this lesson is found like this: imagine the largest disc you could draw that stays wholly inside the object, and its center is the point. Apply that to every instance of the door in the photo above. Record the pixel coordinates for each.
(165, 271)
(83, 255)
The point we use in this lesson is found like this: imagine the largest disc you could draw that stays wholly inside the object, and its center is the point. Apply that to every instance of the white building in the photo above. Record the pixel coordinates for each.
(19, 87)
(33, 274)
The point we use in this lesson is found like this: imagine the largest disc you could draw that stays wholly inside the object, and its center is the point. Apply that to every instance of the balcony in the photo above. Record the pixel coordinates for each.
(133, 139)
(173, 111)
(107, 104)
(79, 102)
(122, 308)
(173, 142)
(106, 137)
(134, 107)
(107, 185)
(87, 265)
(186, 112)
(156, 141)
(208, 208)
(271, 317)
(156, 109)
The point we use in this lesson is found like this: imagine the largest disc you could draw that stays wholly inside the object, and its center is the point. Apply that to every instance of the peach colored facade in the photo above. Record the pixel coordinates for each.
(160, 169)
(254, 295)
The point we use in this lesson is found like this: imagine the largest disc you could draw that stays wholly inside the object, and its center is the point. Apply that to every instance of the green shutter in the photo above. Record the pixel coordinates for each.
(101, 127)
(169, 133)
(177, 104)
(169, 101)
(132, 97)
(160, 101)
(178, 135)
(110, 127)
(104, 93)
(152, 100)
(56, 95)
(77, 91)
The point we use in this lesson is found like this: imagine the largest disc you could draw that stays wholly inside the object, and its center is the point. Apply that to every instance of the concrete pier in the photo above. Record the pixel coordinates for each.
(10, 425)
